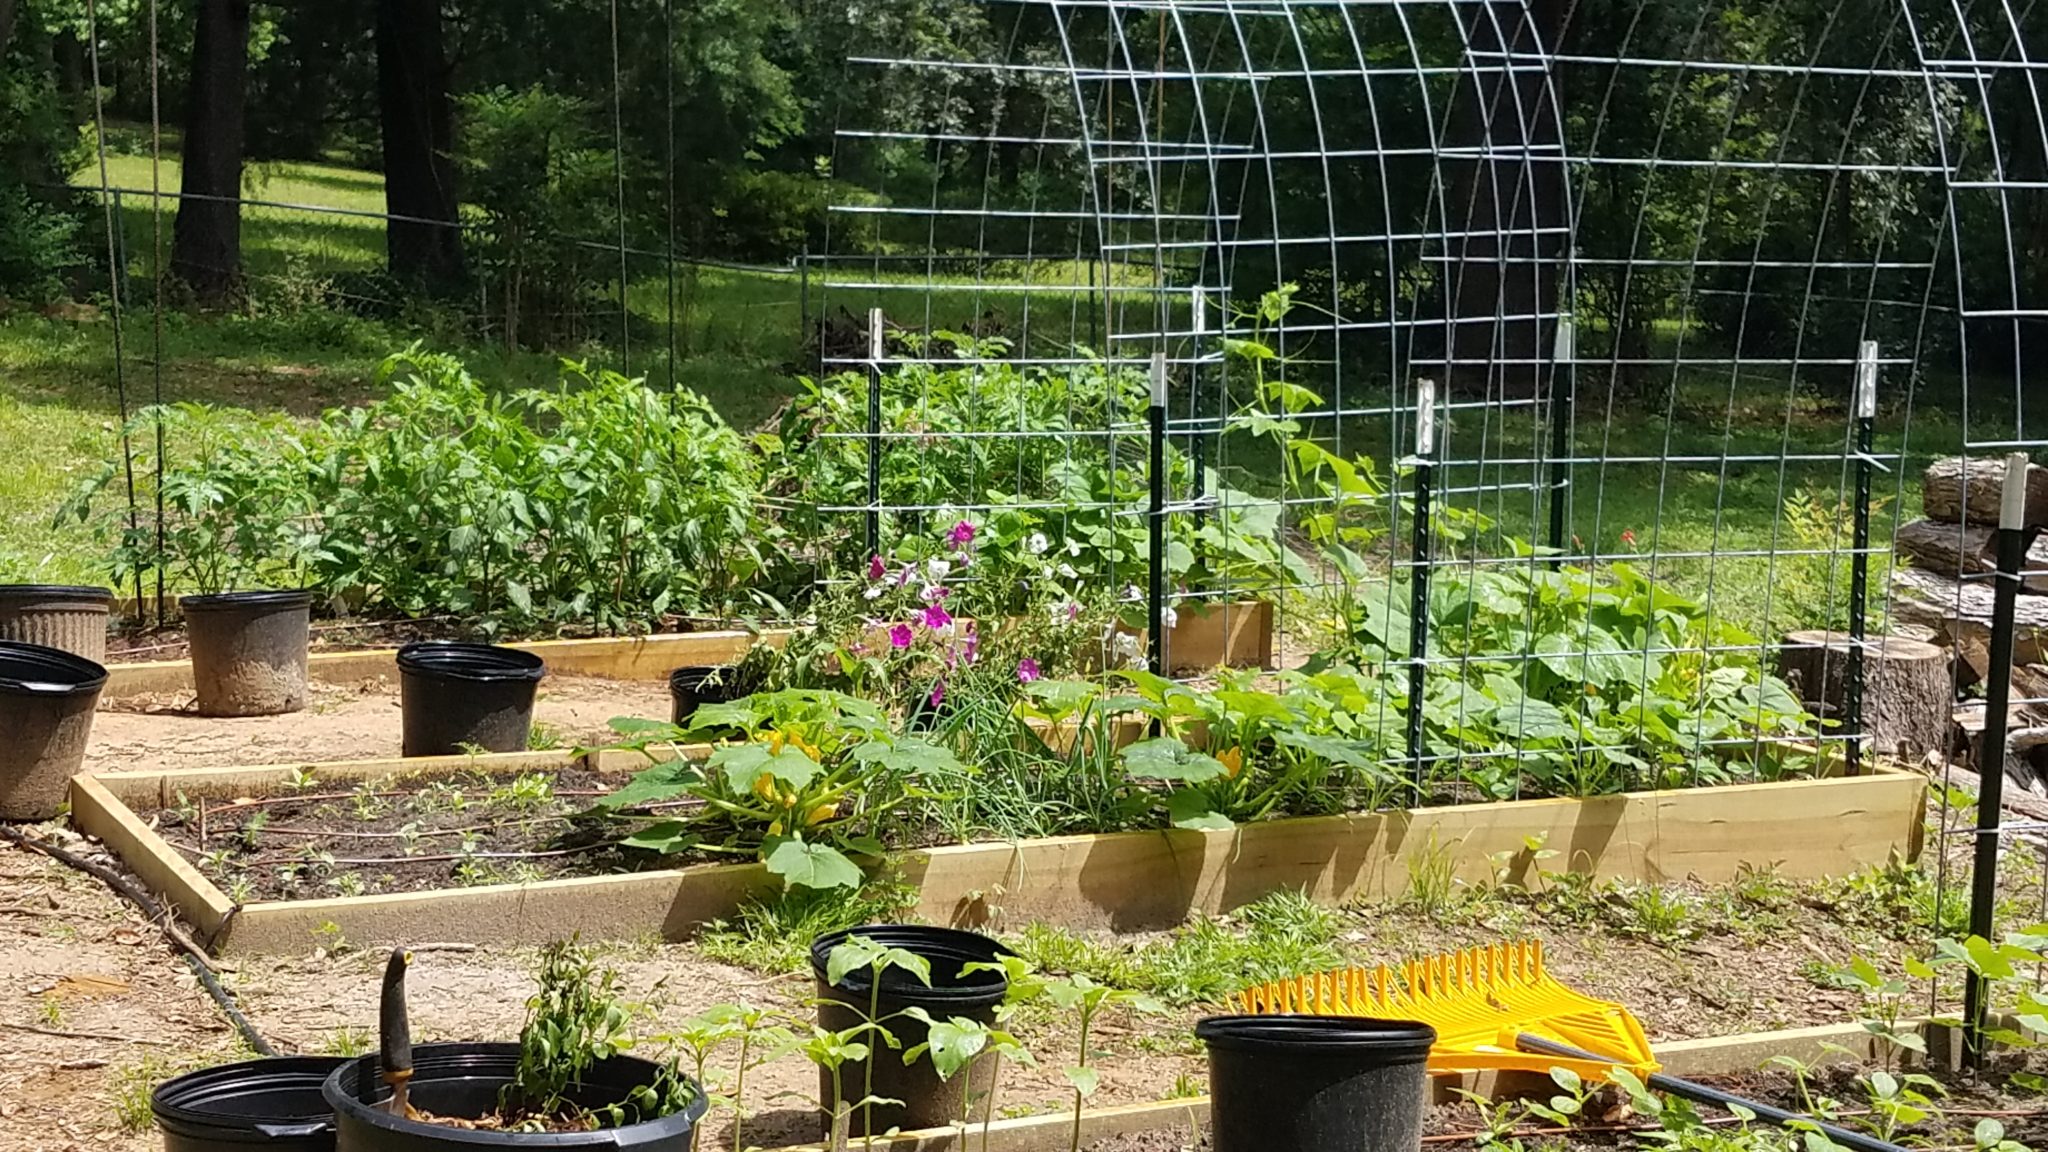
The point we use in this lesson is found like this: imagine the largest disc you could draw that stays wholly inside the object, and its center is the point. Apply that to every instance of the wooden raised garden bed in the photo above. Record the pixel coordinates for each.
(1237, 635)
(1126, 881)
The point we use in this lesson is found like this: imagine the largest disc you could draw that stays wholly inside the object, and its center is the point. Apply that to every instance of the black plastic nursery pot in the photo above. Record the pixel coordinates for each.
(928, 1102)
(700, 684)
(46, 702)
(462, 696)
(1316, 1083)
(249, 651)
(462, 1081)
(72, 618)
(274, 1104)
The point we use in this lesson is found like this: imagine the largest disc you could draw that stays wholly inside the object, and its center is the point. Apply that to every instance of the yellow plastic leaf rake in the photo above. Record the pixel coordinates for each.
(1489, 1006)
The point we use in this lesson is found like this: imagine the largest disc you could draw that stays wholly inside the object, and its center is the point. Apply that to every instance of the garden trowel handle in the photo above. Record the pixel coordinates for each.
(1701, 1093)
(394, 1032)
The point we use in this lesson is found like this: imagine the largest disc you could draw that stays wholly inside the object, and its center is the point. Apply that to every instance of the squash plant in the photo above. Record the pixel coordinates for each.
(815, 779)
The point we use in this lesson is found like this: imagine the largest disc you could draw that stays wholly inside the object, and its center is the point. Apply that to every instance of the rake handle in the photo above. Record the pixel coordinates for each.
(1701, 1093)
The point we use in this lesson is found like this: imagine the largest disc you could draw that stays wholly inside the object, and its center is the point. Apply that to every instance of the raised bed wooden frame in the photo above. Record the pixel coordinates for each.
(1127, 881)
(1239, 635)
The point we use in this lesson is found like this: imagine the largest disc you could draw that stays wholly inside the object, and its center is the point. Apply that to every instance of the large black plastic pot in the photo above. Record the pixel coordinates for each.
(249, 651)
(1316, 1083)
(46, 703)
(65, 616)
(462, 696)
(702, 684)
(462, 1081)
(274, 1104)
(928, 1102)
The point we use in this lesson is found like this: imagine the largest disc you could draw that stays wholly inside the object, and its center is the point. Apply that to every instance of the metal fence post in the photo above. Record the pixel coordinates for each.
(1156, 558)
(1859, 562)
(2012, 551)
(803, 308)
(1563, 386)
(1198, 446)
(875, 350)
(1418, 579)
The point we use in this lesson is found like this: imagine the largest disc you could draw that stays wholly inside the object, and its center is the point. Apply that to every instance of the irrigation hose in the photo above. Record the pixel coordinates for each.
(156, 913)
(1701, 1093)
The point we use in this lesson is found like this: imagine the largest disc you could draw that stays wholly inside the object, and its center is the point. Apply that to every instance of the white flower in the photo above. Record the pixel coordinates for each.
(871, 593)
(1073, 547)
(1172, 618)
(1067, 570)
(1037, 544)
(1133, 594)
(937, 568)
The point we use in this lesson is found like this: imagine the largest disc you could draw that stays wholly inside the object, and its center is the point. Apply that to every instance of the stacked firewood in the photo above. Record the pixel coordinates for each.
(1942, 590)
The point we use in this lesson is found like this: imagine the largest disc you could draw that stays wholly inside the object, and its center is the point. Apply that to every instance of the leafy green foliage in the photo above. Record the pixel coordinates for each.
(573, 1022)
(819, 777)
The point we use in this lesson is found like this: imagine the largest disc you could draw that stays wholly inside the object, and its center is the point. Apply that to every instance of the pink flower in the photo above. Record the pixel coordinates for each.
(1073, 611)
(876, 569)
(900, 636)
(908, 574)
(938, 695)
(1027, 670)
(1628, 537)
(962, 535)
(971, 646)
(934, 593)
(936, 617)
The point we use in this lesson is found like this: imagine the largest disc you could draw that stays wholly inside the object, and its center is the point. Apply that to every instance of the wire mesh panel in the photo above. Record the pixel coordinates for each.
(1547, 364)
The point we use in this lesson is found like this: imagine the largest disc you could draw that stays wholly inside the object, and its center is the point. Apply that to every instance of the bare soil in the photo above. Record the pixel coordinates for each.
(361, 721)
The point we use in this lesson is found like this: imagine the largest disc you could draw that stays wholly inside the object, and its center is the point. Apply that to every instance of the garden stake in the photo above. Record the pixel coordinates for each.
(1156, 560)
(2012, 549)
(1418, 579)
(1198, 444)
(1563, 384)
(394, 1034)
(874, 431)
(1859, 561)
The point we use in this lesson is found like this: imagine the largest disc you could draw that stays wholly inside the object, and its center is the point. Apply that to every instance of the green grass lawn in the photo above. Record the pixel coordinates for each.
(737, 340)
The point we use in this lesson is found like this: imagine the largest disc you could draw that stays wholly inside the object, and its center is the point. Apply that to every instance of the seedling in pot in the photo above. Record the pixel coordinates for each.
(859, 952)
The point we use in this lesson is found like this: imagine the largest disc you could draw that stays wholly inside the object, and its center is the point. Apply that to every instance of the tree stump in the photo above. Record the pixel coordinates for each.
(1954, 485)
(1908, 698)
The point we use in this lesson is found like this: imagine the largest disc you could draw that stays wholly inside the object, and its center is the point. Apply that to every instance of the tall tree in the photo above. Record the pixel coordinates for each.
(7, 10)
(206, 249)
(418, 131)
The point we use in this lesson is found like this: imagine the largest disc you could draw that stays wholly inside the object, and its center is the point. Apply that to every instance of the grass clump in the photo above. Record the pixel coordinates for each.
(775, 934)
(1282, 935)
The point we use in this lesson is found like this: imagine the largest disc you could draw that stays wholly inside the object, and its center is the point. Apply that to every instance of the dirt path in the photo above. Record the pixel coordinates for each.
(356, 722)
(75, 958)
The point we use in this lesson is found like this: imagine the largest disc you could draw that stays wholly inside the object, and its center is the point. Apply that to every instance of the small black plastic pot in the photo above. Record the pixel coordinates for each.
(462, 1081)
(459, 696)
(702, 684)
(64, 616)
(928, 1102)
(275, 1104)
(1316, 1083)
(46, 703)
(249, 651)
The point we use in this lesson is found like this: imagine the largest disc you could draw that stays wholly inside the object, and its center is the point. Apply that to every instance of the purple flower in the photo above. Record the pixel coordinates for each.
(938, 695)
(900, 636)
(936, 617)
(934, 593)
(971, 646)
(1027, 670)
(962, 535)
(876, 568)
(908, 574)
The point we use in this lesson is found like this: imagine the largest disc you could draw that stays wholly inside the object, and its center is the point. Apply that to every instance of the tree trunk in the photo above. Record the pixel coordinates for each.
(7, 10)
(1907, 691)
(206, 247)
(1953, 485)
(418, 131)
(1506, 206)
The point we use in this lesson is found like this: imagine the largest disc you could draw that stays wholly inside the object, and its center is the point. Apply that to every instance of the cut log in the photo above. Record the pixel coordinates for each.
(2021, 745)
(1961, 610)
(1954, 486)
(1908, 693)
(1967, 549)
(1947, 548)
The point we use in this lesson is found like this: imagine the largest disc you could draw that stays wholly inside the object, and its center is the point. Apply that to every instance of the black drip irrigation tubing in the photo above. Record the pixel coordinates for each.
(156, 913)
